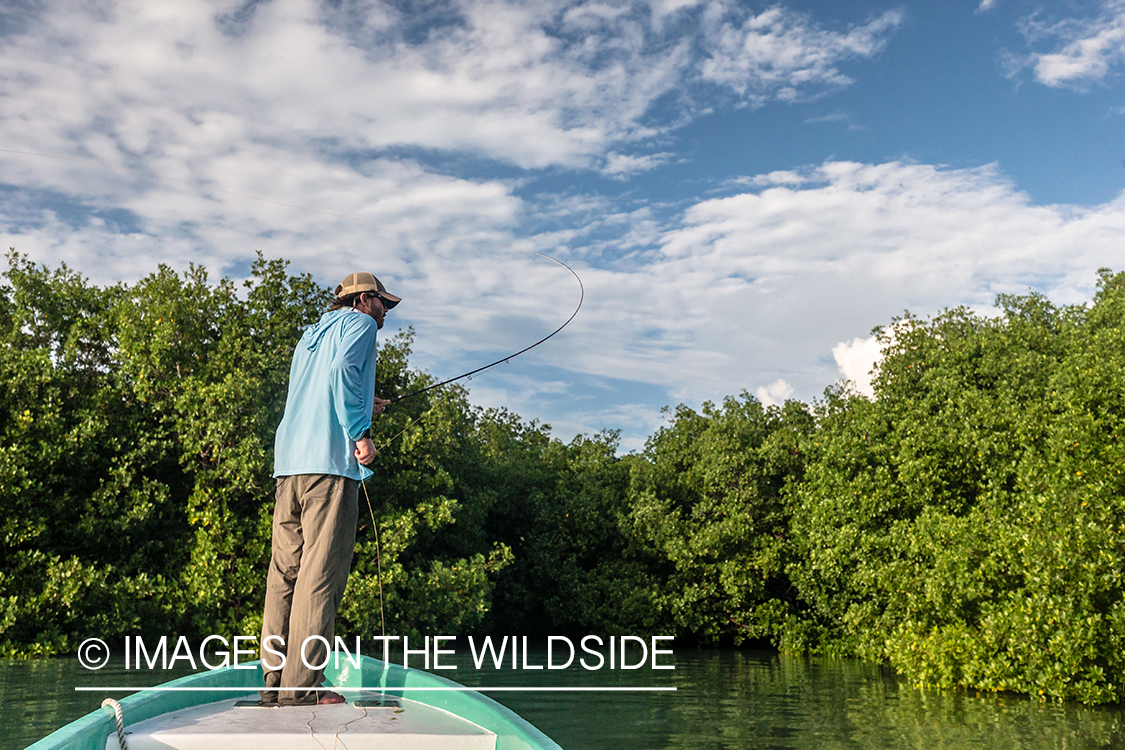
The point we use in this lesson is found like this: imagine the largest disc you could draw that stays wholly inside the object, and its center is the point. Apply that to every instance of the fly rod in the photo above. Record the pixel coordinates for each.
(503, 360)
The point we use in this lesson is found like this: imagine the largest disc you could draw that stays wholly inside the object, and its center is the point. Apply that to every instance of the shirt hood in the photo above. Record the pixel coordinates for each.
(327, 322)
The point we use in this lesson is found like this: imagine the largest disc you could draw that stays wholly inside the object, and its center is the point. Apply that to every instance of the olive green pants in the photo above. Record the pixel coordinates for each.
(314, 522)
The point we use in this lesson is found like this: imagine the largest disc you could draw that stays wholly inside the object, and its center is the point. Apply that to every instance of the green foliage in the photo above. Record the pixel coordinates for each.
(565, 513)
(136, 461)
(964, 526)
(137, 437)
(708, 506)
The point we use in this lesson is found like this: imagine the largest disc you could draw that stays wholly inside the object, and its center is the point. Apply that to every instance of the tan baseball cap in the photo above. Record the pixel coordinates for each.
(354, 283)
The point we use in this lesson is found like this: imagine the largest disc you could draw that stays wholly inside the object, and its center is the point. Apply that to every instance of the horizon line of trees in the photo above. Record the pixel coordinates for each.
(965, 526)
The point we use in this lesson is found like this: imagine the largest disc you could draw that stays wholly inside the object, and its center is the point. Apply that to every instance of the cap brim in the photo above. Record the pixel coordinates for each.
(389, 299)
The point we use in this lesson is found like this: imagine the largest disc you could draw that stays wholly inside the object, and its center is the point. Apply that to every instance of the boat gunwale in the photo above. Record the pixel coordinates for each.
(512, 731)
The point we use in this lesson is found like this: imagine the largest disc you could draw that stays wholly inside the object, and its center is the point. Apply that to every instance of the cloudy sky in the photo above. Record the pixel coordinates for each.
(745, 189)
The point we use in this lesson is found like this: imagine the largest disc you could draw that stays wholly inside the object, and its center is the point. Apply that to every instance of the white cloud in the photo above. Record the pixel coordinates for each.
(791, 177)
(636, 421)
(764, 285)
(341, 107)
(781, 54)
(531, 84)
(1086, 50)
(832, 117)
(181, 224)
(335, 107)
(760, 286)
(772, 285)
(621, 165)
(775, 393)
(857, 359)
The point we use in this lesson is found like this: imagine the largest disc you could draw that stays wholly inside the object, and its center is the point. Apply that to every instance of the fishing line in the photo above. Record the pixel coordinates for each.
(345, 725)
(378, 560)
(423, 415)
(479, 243)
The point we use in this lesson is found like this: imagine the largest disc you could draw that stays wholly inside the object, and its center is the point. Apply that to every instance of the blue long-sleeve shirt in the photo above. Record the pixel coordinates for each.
(331, 397)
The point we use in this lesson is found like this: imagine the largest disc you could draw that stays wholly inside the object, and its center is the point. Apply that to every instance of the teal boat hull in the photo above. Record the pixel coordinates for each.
(512, 731)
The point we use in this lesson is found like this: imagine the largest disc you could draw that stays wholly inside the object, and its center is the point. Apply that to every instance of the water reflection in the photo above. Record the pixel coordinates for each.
(738, 699)
(724, 699)
(38, 695)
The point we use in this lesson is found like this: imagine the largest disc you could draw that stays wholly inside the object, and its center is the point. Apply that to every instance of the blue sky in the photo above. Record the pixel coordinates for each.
(746, 189)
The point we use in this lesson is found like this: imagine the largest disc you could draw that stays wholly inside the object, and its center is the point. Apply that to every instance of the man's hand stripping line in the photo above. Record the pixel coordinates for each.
(365, 447)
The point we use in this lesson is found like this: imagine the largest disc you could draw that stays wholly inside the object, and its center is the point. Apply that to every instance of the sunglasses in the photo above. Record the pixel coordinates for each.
(387, 304)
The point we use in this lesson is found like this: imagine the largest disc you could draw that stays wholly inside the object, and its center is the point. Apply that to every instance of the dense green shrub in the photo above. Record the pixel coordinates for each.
(137, 438)
(709, 505)
(965, 525)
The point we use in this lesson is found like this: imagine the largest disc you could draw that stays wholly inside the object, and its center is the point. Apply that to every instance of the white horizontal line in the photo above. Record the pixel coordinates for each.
(377, 689)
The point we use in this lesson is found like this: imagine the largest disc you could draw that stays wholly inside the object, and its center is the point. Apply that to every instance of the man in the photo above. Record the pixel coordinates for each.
(321, 452)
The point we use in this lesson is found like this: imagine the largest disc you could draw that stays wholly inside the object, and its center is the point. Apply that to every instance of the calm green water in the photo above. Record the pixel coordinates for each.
(724, 699)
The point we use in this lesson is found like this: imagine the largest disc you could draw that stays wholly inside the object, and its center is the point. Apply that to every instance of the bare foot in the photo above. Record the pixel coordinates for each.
(327, 697)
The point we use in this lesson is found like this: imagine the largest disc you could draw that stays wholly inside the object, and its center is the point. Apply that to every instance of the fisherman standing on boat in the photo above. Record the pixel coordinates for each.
(321, 452)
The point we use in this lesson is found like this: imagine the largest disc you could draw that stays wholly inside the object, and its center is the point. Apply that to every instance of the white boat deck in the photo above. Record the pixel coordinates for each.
(344, 726)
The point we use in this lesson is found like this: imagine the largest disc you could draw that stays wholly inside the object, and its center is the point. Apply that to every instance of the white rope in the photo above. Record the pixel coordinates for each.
(120, 721)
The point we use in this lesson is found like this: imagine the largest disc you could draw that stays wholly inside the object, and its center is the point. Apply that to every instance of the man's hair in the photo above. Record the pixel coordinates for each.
(346, 300)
